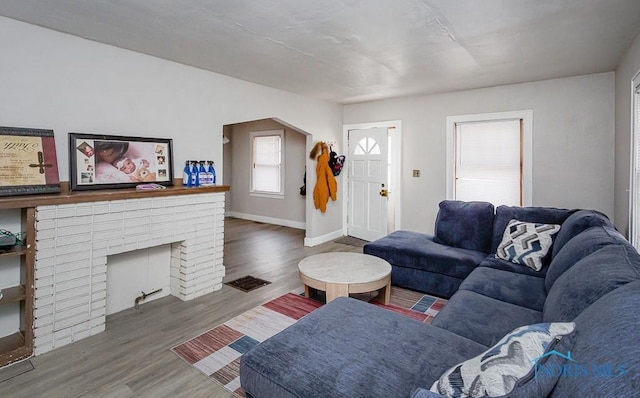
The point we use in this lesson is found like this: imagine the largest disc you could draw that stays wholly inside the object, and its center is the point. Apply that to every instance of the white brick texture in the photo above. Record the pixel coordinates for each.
(73, 242)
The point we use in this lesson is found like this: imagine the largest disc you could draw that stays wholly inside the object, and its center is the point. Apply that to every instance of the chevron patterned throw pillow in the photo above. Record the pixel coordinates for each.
(526, 243)
(510, 368)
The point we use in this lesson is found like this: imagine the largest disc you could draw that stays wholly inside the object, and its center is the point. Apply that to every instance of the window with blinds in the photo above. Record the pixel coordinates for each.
(488, 162)
(634, 213)
(267, 162)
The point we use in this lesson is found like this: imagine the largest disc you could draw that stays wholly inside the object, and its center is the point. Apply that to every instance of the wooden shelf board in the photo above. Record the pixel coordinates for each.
(67, 197)
(12, 348)
(12, 294)
(16, 250)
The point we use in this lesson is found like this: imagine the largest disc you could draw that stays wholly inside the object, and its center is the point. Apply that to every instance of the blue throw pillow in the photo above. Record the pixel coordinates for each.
(526, 243)
(467, 225)
(517, 366)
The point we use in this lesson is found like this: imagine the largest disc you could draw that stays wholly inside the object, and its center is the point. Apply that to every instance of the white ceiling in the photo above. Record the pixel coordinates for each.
(351, 51)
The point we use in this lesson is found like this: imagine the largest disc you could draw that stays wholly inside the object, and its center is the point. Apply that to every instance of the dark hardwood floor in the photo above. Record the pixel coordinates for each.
(132, 358)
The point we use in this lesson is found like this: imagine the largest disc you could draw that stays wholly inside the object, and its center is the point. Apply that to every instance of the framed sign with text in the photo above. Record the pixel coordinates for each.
(28, 162)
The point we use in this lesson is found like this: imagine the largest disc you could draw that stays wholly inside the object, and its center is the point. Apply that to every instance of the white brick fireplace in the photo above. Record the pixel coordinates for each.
(74, 240)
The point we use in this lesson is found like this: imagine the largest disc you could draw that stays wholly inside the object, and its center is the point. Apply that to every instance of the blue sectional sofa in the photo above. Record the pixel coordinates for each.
(466, 236)
(589, 285)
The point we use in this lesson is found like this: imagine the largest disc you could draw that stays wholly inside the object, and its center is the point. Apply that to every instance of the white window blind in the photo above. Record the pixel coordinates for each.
(267, 164)
(488, 162)
(634, 221)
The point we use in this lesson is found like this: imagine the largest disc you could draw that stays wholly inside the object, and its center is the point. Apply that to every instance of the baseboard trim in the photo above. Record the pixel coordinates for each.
(267, 220)
(324, 238)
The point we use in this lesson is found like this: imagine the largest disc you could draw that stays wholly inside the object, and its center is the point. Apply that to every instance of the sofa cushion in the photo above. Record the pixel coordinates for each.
(425, 281)
(582, 245)
(467, 225)
(523, 290)
(509, 367)
(417, 250)
(606, 348)
(483, 319)
(526, 243)
(577, 222)
(497, 263)
(589, 279)
(351, 348)
(544, 215)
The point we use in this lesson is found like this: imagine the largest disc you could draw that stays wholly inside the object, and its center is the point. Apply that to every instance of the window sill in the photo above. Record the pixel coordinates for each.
(267, 195)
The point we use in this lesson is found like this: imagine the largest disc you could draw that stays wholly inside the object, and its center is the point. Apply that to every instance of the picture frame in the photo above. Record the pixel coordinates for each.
(112, 161)
(28, 162)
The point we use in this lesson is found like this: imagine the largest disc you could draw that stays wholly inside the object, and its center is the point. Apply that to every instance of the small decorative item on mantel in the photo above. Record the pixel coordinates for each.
(28, 162)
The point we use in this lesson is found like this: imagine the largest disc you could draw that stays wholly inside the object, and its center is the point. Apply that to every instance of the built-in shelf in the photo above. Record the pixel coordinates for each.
(12, 294)
(13, 348)
(17, 250)
(19, 345)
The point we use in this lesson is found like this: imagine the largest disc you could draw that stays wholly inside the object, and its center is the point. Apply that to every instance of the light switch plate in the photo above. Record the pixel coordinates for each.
(416, 173)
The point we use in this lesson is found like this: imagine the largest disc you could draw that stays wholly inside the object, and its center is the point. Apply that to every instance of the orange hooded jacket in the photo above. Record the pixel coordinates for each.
(326, 185)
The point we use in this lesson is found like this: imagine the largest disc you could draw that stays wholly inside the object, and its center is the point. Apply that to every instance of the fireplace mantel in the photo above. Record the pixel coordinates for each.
(68, 197)
(76, 231)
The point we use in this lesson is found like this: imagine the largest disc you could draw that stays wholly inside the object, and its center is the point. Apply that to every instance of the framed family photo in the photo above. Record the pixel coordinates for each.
(110, 161)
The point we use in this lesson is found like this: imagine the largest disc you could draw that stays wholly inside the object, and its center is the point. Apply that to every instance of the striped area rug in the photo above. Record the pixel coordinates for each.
(217, 352)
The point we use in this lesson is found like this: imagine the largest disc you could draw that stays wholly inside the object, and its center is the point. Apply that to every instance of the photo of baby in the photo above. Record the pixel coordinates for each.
(86, 149)
(136, 169)
(104, 161)
(119, 161)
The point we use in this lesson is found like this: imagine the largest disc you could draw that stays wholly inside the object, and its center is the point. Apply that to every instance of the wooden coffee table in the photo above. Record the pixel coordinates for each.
(339, 274)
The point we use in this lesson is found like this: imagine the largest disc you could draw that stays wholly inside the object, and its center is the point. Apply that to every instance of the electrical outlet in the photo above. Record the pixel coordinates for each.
(416, 173)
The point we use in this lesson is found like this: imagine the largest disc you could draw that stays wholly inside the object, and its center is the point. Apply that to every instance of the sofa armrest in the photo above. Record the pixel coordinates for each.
(422, 393)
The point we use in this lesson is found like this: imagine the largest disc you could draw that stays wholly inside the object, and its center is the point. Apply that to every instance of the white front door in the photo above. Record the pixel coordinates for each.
(368, 158)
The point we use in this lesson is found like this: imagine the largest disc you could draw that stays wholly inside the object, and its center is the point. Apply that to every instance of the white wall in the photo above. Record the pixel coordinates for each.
(288, 211)
(573, 141)
(629, 66)
(65, 83)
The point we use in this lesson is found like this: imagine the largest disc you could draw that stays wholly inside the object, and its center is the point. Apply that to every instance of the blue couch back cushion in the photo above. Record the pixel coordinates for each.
(577, 222)
(605, 351)
(582, 245)
(543, 215)
(589, 279)
(467, 225)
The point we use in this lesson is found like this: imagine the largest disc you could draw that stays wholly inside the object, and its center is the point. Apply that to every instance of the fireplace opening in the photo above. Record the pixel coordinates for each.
(132, 273)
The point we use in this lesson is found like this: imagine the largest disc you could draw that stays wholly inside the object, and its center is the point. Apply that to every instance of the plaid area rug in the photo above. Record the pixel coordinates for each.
(217, 352)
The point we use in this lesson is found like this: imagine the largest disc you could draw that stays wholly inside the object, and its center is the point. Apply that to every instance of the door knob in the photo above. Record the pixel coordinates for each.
(384, 192)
